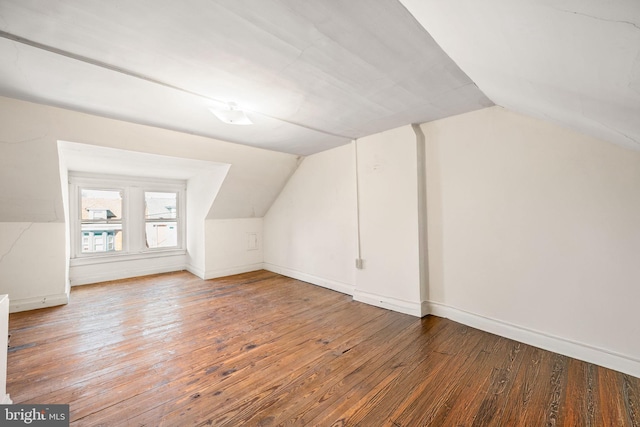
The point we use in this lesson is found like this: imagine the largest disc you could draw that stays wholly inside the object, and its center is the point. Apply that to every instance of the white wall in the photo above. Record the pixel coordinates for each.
(86, 271)
(310, 230)
(532, 230)
(389, 221)
(233, 246)
(202, 190)
(32, 230)
(534, 233)
(64, 190)
(31, 189)
(32, 264)
(4, 331)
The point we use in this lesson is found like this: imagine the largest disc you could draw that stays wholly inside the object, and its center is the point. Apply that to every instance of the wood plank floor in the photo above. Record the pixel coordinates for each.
(261, 349)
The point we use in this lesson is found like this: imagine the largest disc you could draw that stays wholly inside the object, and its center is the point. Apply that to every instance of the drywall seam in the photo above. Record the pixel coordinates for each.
(15, 241)
(334, 285)
(577, 350)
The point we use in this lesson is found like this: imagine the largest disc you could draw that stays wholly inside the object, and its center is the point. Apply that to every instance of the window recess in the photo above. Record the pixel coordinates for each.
(124, 217)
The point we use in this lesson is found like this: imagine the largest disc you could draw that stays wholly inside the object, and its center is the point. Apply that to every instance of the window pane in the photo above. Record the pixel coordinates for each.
(160, 205)
(161, 234)
(101, 238)
(101, 205)
(101, 217)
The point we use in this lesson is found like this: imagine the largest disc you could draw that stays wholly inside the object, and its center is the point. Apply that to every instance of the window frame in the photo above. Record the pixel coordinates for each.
(133, 216)
(177, 219)
(80, 221)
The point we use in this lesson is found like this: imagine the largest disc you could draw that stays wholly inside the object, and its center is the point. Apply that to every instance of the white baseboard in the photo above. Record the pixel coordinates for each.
(585, 352)
(401, 306)
(389, 303)
(334, 285)
(117, 274)
(214, 274)
(16, 305)
(6, 400)
(196, 271)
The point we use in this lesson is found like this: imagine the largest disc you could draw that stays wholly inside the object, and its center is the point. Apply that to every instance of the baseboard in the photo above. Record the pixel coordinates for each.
(334, 285)
(117, 274)
(6, 400)
(214, 274)
(196, 271)
(395, 304)
(425, 308)
(577, 350)
(16, 305)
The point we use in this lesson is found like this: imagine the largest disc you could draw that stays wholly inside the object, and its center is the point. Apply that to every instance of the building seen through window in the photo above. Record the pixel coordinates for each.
(101, 220)
(161, 219)
(115, 217)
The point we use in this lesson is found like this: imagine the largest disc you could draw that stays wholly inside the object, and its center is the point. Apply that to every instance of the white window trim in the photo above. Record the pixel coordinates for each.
(133, 242)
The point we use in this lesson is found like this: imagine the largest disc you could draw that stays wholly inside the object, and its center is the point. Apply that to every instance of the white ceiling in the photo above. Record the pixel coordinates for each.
(315, 74)
(312, 74)
(572, 62)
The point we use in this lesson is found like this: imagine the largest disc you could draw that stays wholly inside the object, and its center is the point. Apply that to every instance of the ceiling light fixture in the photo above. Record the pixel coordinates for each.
(231, 114)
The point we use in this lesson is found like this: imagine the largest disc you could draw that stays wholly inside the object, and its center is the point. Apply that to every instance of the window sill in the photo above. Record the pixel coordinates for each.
(109, 258)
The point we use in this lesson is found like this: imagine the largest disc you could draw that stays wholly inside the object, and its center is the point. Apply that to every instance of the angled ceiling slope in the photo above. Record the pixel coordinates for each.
(312, 75)
(573, 62)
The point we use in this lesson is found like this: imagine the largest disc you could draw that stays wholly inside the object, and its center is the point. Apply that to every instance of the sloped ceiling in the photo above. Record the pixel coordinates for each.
(315, 74)
(311, 74)
(573, 62)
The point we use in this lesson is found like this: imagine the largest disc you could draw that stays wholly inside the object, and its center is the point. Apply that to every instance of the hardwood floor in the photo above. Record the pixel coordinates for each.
(261, 349)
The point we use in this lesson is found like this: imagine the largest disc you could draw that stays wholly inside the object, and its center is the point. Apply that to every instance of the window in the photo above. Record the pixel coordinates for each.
(161, 219)
(118, 216)
(101, 220)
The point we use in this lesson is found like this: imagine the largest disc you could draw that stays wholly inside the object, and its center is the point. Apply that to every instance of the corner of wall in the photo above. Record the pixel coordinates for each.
(390, 303)
(196, 271)
(389, 185)
(334, 285)
(233, 246)
(214, 274)
(425, 309)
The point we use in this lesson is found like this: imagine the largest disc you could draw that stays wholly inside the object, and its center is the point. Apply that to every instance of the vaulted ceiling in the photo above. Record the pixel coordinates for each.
(572, 62)
(313, 75)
